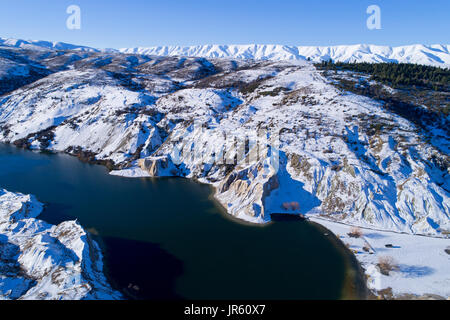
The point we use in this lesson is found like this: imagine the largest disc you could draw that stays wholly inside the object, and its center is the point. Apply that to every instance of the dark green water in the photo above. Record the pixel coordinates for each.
(171, 240)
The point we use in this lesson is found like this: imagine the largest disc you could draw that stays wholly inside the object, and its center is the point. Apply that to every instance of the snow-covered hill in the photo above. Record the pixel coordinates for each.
(132, 110)
(43, 45)
(40, 261)
(263, 133)
(437, 55)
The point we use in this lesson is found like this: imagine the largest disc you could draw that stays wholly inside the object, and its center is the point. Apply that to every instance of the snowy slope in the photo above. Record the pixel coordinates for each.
(422, 263)
(437, 55)
(129, 110)
(261, 132)
(43, 45)
(43, 261)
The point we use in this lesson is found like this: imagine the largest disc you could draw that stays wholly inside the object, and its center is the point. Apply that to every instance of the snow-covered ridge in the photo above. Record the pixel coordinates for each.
(43, 261)
(40, 44)
(331, 163)
(437, 55)
(343, 157)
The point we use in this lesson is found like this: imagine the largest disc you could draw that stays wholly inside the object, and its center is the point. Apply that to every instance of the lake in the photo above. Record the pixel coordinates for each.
(167, 238)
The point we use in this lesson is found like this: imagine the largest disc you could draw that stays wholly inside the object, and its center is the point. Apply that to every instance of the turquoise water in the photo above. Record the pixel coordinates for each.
(167, 239)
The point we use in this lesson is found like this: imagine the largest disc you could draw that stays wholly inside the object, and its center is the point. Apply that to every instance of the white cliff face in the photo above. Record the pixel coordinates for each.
(328, 161)
(137, 114)
(43, 261)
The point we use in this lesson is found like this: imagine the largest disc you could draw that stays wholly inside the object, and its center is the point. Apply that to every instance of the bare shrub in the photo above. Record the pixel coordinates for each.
(286, 205)
(355, 232)
(294, 206)
(387, 264)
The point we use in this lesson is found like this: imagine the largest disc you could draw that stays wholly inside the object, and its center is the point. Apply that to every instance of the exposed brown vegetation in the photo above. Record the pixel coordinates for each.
(355, 232)
(294, 206)
(387, 264)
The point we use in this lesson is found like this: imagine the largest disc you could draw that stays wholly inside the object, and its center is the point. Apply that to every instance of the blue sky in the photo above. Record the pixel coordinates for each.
(130, 23)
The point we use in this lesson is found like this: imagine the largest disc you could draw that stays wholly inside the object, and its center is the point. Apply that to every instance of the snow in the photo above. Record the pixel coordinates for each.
(423, 264)
(43, 261)
(437, 55)
(168, 118)
(43, 45)
(8, 68)
(376, 184)
(134, 172)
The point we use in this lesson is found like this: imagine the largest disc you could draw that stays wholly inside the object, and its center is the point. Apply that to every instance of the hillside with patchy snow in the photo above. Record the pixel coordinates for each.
(40, 261)
(437, 55)
(340, 155)
(267, 128)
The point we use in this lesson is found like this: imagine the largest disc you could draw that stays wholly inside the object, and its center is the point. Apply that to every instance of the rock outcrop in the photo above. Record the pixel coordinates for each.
(344, 156)
(43, 261)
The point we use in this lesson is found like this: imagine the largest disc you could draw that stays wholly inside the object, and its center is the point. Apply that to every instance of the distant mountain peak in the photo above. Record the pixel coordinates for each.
(437, 55)
(43, 45)
(434, 55)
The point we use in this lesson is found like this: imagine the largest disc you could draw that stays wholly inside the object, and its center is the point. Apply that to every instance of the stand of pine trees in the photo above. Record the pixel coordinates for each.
(397, 75)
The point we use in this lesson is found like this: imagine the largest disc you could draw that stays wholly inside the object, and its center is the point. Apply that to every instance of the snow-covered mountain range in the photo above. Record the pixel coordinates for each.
(436, 55)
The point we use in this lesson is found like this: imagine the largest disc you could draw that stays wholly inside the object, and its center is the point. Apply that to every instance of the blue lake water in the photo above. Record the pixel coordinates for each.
(167, 238)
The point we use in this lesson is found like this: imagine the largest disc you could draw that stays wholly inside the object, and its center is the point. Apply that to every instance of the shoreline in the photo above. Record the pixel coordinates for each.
(351, 288)
(354, 284)
(415, 258)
